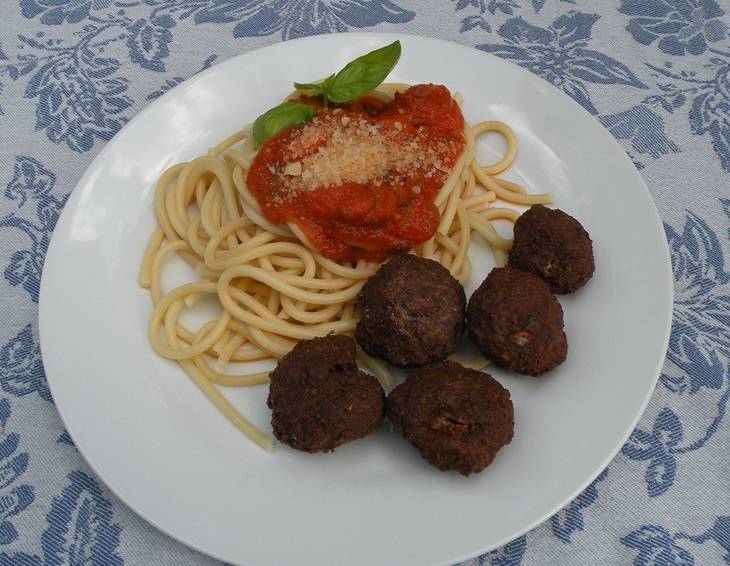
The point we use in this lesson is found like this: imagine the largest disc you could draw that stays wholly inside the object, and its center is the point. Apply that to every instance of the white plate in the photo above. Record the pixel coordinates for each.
(159, 444)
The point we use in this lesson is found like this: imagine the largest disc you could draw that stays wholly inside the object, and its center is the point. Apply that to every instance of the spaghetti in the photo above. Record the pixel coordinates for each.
(272, 287)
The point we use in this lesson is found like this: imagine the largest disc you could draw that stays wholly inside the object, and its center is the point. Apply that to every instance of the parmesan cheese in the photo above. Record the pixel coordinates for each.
(332, 150)
(293, 169)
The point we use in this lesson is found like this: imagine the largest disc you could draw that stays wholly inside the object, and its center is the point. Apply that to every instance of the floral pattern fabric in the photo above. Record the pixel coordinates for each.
(655, 73)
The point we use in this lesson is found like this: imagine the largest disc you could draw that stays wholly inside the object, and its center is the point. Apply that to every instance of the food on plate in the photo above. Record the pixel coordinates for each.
(458, 418)
(411, 312)
(516, 321)
(358, 182)
(553, 245)
(319, 399)
(285, 220)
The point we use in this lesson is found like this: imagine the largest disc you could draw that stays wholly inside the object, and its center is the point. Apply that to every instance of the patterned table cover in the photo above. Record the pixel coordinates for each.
(656, 73)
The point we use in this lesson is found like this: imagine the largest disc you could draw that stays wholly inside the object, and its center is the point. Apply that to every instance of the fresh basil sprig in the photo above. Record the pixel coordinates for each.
(315, 89)
(356, 79)
(283, 117)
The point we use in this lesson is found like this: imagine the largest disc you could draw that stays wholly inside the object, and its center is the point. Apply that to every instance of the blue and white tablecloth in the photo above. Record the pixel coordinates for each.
(656, 73)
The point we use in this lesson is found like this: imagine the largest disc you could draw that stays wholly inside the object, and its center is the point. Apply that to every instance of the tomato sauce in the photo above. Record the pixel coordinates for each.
(361, 178)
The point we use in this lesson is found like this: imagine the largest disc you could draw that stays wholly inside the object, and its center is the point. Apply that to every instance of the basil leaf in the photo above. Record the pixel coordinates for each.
(327, 83)
(361, 76)
(283, 117)
(315, 89)
(309, 89)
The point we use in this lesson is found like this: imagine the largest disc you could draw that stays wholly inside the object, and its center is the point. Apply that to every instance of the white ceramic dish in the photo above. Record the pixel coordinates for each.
(160, 445)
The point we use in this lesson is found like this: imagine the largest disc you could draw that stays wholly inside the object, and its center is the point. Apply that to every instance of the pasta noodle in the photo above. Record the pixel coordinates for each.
(273, 289)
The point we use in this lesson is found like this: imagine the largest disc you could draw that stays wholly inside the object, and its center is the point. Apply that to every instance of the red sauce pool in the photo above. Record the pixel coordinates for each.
(361, 178)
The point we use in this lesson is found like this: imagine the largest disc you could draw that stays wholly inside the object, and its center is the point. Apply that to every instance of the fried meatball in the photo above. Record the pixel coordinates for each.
(458, 418)
(553, 245)
(516, 321)
(319, 399)
(412, 312)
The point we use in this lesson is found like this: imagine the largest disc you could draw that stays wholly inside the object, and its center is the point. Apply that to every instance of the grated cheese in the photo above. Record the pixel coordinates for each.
(331, 151)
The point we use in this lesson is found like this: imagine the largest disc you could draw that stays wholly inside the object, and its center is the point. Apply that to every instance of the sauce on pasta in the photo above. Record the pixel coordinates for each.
(359, 181)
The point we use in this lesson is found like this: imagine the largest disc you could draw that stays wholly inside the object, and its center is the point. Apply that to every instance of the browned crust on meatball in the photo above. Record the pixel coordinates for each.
(412, 312)
(318, 398)
(458, 418)
(516, 322)
(555, 246)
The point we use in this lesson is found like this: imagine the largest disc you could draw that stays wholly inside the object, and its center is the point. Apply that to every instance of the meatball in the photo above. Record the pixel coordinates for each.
(458, 418)
(516, 321)
(319, 399)
(553, 245)
(412, 312)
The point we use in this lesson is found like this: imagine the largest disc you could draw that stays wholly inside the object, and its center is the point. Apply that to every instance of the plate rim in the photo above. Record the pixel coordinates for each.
(110, 146)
